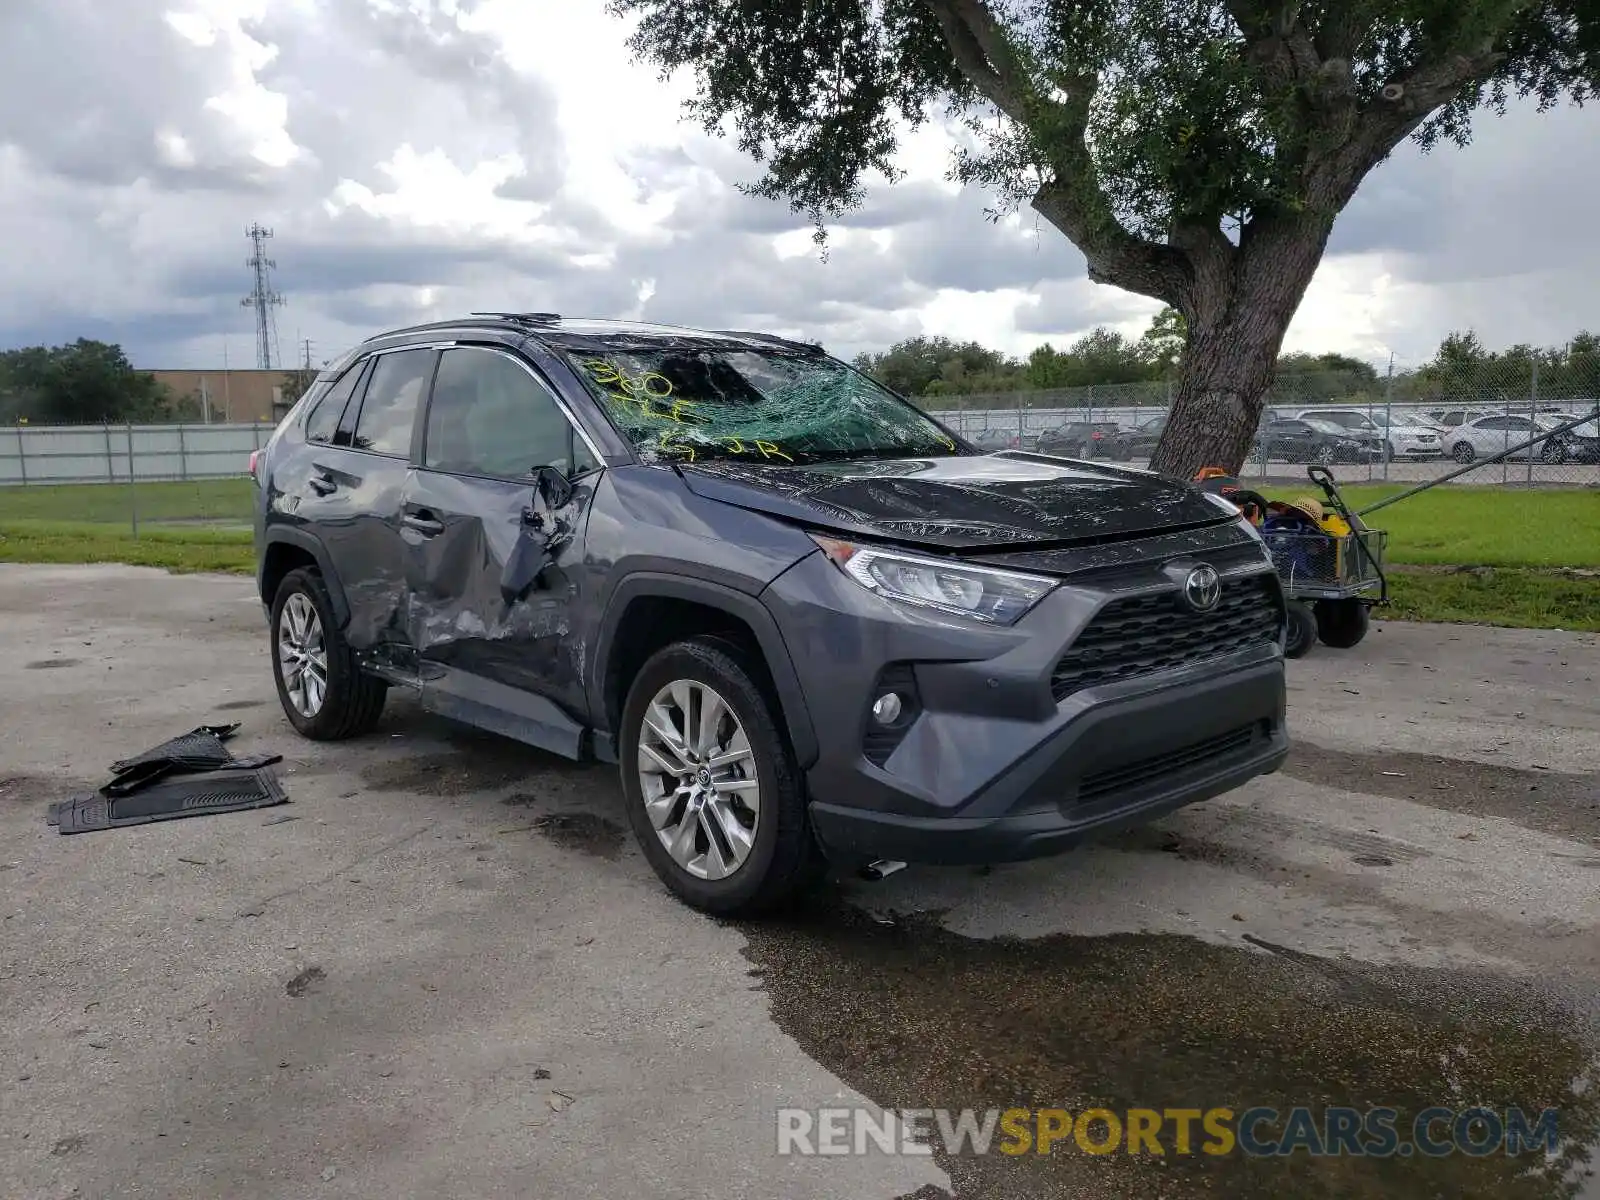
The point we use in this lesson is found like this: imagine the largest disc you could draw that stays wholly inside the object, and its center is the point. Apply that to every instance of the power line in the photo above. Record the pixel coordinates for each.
(262, 298)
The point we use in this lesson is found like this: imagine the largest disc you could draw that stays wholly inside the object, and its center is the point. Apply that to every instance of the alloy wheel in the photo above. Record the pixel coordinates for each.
(697, 774)
(302, 655)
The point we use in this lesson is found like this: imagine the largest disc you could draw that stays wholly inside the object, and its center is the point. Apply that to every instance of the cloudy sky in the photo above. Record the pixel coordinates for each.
(419, 161)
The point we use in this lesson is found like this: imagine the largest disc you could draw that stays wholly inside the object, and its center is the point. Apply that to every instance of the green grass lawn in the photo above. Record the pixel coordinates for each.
(1481, 527)
(175, 548)
(196, 500)
(1527, 536)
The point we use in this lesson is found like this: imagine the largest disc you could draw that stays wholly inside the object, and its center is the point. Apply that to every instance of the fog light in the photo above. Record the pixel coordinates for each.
(886, 708)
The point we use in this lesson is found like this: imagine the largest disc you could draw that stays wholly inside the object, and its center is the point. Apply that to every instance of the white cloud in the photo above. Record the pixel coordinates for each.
(419, 157)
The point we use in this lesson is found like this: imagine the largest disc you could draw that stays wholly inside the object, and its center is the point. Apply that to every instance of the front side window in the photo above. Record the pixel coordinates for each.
(695, 404)
(389, 409)
(490, 416)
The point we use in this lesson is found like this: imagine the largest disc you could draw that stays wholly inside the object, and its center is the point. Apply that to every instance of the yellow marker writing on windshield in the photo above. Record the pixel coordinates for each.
(768, 450)
(667, 443)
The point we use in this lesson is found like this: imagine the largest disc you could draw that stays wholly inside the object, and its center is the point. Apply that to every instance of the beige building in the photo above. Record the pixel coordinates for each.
(246, 394)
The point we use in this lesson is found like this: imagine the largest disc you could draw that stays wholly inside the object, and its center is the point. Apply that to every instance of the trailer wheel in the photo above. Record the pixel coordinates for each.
(1341, 623)
(1302, 629)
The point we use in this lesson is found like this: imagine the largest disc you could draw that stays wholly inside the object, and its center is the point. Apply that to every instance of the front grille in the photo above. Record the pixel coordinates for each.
(1140, 635)
(1132, 775)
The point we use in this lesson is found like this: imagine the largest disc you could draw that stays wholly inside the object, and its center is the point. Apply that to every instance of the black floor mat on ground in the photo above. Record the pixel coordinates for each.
(200, 749)
(189, 796)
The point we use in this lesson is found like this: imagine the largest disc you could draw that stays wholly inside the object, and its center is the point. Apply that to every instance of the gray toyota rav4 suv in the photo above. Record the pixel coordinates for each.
(809, 622)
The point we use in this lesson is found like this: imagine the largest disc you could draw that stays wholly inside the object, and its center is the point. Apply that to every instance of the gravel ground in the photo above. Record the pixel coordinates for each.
(443, 970)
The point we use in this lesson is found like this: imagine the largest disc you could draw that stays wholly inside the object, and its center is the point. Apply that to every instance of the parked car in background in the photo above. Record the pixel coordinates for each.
(1581, 443)
(1138, 442)
(1450, 419)
(1079, 439)
(1485, 437)
(995, 438)
(1401, 437)
(1313, 441)
(1490, 436)
(800, 633)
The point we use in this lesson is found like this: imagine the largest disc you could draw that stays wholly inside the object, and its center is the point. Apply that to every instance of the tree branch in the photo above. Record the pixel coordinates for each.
(1382, 124)
(1073, 200)
(1276, 41)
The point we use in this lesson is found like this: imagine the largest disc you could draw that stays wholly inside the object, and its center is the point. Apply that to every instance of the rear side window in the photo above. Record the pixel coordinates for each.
(389, 409)
(324, 419)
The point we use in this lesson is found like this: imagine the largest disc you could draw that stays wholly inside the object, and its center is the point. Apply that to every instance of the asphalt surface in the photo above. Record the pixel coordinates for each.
(443, 970)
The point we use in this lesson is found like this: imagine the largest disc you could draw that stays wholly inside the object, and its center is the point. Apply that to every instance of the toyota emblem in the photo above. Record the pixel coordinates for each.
(1202, 589)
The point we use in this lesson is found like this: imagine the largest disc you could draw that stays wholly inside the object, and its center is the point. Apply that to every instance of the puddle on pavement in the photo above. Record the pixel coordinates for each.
(50, 664)
(1547, 801)
(583, 831)
(39, 789)
(474, 762)
(914, 1016)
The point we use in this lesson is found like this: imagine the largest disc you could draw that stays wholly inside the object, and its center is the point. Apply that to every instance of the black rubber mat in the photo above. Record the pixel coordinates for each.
(200, 749)
(188, 796)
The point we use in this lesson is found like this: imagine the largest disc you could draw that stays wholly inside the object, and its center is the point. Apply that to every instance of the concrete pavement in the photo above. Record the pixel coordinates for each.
(444, 971)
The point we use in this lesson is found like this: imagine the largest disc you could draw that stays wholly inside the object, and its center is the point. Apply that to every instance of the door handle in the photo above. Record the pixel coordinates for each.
(424, 523)
(322, 483)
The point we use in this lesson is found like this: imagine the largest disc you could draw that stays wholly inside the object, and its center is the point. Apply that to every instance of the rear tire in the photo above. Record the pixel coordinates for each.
(781, 860)
(324, 692)
(1302, 634)
(1341, 624)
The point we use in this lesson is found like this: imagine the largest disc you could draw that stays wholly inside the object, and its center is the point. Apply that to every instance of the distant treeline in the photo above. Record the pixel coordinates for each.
(1103, 359)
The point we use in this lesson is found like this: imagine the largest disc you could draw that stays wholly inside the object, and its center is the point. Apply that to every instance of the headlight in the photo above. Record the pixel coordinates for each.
(1229, 506)
(998, 597)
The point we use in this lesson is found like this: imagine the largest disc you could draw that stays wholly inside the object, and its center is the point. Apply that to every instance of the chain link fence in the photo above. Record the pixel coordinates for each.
(1405, 429)
(128, 477)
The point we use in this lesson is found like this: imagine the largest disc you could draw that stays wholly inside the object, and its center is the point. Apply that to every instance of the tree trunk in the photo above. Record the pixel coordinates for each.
(1237, 318)
(1222, 385)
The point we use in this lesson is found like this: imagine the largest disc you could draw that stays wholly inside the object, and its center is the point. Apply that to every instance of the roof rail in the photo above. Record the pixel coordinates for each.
(522, 318)
(770, 339)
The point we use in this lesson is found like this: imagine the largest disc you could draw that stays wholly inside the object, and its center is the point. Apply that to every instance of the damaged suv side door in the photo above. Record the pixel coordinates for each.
(494, 518)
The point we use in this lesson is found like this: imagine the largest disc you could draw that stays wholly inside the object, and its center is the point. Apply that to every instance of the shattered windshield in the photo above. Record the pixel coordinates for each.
(694, 404)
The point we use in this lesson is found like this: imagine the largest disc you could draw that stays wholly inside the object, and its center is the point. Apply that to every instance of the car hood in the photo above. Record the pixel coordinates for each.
(961, 502)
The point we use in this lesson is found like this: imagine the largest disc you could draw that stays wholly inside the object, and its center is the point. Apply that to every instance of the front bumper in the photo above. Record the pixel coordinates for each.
(1118, 764)
(994, 767)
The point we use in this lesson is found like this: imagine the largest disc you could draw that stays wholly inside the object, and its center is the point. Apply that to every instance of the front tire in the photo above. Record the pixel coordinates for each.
(1463, 452)
(324, 692)
(710, 783)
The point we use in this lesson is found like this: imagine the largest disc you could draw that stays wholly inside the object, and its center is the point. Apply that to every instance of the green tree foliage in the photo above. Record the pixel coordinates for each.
(82, 381)
(1195, 152)
(1163, 343)
(1464, 370)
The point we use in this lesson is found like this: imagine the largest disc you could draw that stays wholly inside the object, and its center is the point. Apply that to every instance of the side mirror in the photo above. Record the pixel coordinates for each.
(554, 488)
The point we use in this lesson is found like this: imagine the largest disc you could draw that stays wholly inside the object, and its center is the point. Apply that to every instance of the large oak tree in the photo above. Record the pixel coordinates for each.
(1197, 153)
